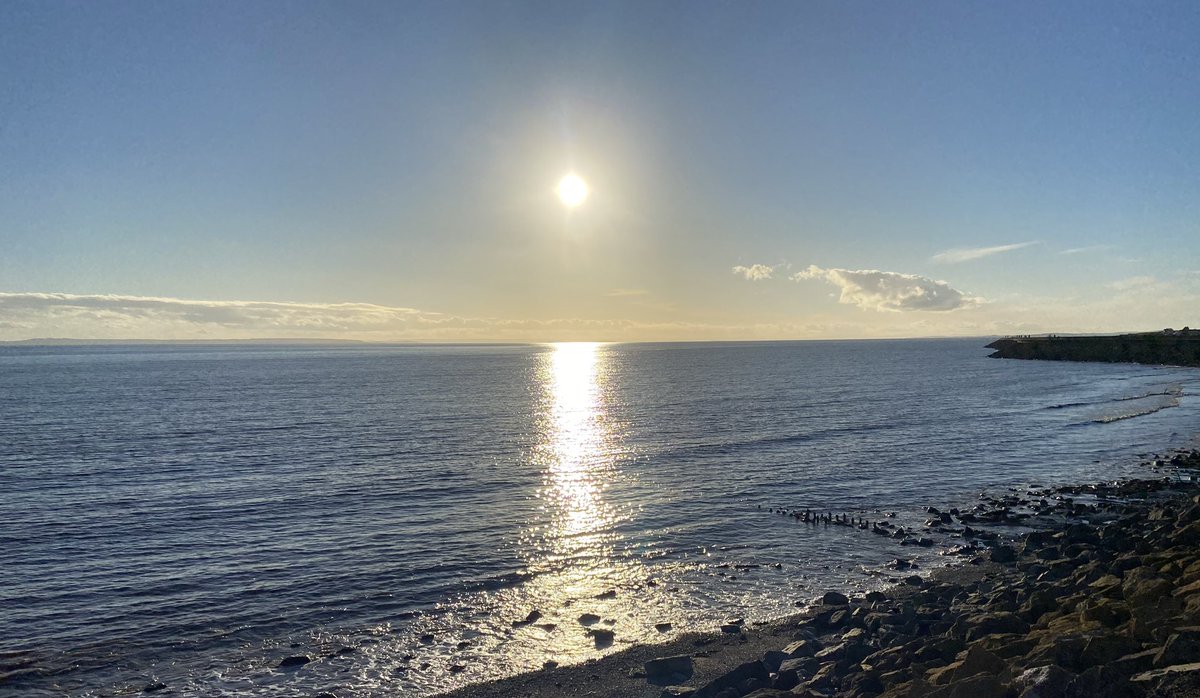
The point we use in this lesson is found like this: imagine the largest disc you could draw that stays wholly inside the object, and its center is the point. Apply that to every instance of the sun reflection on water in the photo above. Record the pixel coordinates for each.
(575, 452)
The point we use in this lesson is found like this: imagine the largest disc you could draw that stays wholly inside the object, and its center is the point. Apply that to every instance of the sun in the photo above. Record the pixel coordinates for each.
(572, 190)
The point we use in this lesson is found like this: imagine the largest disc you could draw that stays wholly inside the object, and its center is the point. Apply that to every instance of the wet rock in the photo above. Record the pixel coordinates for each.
(669, 670)
(154, 687)
(834, 598)
(731, 629)
(549, 664)
(426, 639)
(294, 661)
(677, 692)
(663, 627)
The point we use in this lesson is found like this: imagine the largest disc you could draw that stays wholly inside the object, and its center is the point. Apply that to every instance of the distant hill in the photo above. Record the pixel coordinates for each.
(1168, 347)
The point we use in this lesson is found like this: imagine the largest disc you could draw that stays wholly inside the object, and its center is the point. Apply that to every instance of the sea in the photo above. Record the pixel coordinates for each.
(182, 519)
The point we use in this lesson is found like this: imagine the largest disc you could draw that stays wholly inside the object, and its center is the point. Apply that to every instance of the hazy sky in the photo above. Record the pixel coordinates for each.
(757, 170)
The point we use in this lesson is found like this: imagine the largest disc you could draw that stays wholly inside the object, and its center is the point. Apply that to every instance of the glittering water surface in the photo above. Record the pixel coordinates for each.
(416, 518)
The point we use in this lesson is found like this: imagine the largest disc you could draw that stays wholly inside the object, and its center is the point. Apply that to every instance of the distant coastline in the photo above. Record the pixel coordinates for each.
(70, 342)
(1168, 347)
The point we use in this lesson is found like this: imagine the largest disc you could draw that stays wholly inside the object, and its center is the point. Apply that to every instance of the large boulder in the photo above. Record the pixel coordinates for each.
(1048, 681)
(669, 670)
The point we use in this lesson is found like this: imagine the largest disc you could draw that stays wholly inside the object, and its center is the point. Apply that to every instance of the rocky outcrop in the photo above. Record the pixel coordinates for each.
(1108, 608)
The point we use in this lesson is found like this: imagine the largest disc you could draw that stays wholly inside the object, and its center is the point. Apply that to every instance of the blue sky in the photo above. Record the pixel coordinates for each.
(386, 170)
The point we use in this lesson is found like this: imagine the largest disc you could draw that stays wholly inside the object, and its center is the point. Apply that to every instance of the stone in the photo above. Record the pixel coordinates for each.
(677, 692)
(1048, 681)
(669, 670)
(589, 619)
(979, 686)
(663, 627)
(732, 679)
(978, 626)
(834, 598)
(294, 661)
(774, 658)
(1182, 645)
(1003, 554)
(731, 628)
(802, 648)
(154, 687)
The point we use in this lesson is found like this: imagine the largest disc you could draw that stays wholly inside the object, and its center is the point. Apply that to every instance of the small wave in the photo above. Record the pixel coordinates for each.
(1108, 419)
(1174, 391)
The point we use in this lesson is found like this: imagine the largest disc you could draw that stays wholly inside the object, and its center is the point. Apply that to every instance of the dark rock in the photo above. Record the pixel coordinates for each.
(589, 619)
(154, 687)
(663, 627)
(669, 670)
(834, 598)
(802, 648)
(1003, 554)
(1048, 681)
(294, 661)
(731, 629)
(732, 679)
(774, 658)
(1182, 646)
(975, 627)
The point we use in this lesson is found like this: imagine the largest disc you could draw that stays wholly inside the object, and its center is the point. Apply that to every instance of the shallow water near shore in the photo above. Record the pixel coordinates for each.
(192, 515)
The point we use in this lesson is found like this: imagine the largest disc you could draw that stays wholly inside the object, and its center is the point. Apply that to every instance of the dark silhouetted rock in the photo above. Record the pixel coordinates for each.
(294, 661)
(669, 670)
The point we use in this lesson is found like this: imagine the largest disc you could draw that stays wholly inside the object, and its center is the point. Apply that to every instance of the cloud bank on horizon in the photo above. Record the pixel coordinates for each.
(1159, 302)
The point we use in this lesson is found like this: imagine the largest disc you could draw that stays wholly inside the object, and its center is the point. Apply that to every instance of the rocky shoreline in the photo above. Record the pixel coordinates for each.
(1102, 599)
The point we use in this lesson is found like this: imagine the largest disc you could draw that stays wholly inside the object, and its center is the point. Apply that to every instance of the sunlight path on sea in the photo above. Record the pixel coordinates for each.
(573, 549)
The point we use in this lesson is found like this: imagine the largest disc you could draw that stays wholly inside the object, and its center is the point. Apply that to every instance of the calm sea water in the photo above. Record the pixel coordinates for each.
(191, 515)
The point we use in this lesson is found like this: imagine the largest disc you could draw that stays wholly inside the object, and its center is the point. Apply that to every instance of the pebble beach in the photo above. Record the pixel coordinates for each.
(1088, 590)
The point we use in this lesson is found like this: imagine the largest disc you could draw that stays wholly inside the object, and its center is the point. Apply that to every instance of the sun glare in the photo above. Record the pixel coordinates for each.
(572, 190)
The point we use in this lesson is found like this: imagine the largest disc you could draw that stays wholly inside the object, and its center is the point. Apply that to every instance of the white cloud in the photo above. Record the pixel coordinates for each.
(755, 272)
(890, 291)
(1082, 250)
(967, 254)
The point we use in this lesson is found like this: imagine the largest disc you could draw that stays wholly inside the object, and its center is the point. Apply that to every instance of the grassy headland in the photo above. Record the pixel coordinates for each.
(1171, 347)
